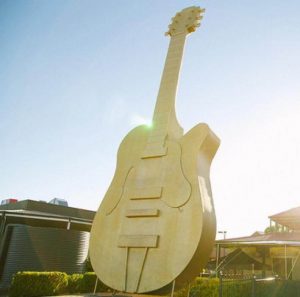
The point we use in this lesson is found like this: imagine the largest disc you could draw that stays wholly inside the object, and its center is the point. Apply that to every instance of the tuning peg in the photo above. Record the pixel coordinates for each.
(201, 10)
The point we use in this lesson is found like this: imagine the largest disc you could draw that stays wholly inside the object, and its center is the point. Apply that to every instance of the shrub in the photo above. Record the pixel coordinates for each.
(237, 288)
(201, 287)
(205, 287)
(74, 283)
(34, 284)
(88, 265)
(88, 281)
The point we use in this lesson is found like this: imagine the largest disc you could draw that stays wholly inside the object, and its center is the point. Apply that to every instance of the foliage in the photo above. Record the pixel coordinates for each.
(270, 229)
(74, 283)
(201, 287)
(25, 284)
(35, 284)
(88, 265)
(205, 287)
(279, 288)
(87, 284)
(237, 288)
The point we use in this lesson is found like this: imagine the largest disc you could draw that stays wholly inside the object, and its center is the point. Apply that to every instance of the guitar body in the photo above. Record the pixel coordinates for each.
(156, 222)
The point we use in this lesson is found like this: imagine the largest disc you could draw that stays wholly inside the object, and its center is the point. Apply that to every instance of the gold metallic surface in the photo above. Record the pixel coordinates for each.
(156, 223)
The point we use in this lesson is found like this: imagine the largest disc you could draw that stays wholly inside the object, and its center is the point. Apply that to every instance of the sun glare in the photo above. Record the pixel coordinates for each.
(137, 120)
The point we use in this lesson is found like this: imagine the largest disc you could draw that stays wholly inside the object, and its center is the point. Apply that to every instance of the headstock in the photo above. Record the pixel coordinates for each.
(186, 21)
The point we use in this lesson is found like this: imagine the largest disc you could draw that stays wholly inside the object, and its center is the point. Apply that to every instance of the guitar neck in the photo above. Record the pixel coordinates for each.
(164, 118)
(165, 124)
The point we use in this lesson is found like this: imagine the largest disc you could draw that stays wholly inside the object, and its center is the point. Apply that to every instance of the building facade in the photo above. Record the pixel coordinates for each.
(272, 253)
(39, 236)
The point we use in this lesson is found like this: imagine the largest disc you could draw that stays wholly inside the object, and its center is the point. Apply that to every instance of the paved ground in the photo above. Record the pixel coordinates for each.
(103, 295)
(88, 295)
(106, 294)
(85, 295)
(96, 295)
(82, 295)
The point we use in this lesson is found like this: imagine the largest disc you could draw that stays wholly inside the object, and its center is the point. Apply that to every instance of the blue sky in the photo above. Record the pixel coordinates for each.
(76, 76)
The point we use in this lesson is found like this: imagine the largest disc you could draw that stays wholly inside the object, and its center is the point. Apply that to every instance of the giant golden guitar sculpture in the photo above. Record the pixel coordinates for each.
(156, 223)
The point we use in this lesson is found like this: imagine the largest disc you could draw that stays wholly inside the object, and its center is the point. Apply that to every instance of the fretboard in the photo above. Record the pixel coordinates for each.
(165, 124)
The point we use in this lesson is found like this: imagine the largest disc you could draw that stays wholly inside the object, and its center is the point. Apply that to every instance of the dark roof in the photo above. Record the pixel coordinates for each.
(49, 208)
(289, 218)
(42, 219)
(276, 238)
(237, 258)
(42, 214)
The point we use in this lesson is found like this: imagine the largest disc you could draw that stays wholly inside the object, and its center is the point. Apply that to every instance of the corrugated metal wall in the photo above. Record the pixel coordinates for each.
(42, 249)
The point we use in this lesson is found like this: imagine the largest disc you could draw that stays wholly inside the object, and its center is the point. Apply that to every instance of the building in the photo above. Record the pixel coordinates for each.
(41, 236)
(286, 221)
(273, 253)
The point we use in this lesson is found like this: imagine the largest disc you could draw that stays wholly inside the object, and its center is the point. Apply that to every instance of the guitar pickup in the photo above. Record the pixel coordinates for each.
(146, 193)
(142, 213)
(138, 241)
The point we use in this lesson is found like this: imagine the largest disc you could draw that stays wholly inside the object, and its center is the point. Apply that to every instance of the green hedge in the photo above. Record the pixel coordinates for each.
(201, 287)
(32, 284)
(74, 283)
(205, 287)
(237, 287)
(209, 287)
(35, 284)
(87, 284)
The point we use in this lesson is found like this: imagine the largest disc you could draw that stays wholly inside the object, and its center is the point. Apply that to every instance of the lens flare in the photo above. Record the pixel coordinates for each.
(137, 120)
